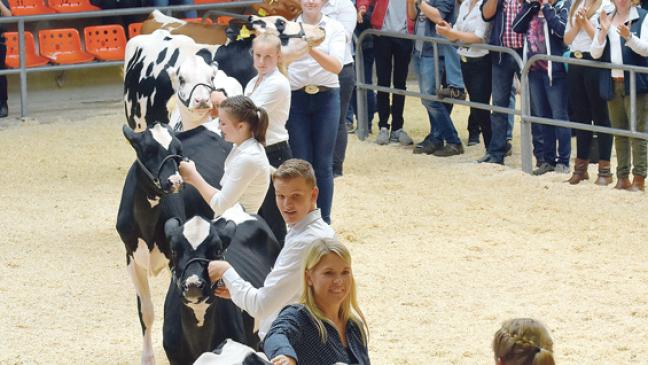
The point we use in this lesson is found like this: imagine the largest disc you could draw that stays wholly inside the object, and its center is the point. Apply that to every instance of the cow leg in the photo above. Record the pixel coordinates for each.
(139, 276)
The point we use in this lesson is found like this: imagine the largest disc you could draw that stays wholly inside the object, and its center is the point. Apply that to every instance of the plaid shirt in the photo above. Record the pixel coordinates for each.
(511, 39)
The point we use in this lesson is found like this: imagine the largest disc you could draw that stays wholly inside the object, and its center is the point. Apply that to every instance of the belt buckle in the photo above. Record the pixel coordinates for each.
(464, 59)
(311, 89)
(578, 54)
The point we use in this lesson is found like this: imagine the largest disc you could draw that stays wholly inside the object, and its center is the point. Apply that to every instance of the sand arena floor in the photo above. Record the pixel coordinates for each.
(445, 250)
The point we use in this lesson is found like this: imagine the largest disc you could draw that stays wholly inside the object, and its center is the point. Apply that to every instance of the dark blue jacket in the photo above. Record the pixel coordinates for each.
(556, 17)
(629, 58)
(447, 10)
(294, 334)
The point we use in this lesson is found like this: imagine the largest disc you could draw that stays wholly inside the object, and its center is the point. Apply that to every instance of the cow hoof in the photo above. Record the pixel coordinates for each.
(148, 359)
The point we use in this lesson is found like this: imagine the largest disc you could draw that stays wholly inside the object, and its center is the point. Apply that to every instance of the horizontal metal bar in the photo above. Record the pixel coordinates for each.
(128, 11)
(582, 62)
(64, 67)
(587, 127)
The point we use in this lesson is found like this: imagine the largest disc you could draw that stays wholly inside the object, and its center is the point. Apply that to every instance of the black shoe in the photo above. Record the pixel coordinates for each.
(349, 127)
(428, 147)
(509, 149)
(449, 149)
(451, 92)
(4, 110)
(473, 140)
(490, 159)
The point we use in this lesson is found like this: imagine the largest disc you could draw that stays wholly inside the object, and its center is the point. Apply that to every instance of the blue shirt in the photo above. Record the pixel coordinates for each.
(295, 334)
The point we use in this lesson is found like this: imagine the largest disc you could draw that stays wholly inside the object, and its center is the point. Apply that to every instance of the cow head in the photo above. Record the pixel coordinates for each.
(193, 82)
(288, 9)
(231, 352)
(158, 153)
(193, 244)
(295, 37)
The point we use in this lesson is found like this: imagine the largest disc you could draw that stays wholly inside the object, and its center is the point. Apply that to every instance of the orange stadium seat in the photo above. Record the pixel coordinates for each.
(62, 46)
(32, 59)
(196, 2)
(134, 29)
(197, 20)
(223, 20)
(105, 42)
(71, 6)
(29, 7)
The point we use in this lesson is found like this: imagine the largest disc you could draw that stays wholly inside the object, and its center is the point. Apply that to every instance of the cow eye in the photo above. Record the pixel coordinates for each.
(181, 79)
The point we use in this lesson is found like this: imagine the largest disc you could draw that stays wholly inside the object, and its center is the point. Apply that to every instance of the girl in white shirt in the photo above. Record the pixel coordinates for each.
(247, 171)
(270, 90)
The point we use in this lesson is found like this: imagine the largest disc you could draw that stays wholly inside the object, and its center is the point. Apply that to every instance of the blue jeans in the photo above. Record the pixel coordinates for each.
(550, 101)
(502, 82)
(312, 129)
(188, 14)
(441, 127)
(452, 66)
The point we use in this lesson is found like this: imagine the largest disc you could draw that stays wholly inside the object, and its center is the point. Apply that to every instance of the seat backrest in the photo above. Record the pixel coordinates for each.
(26, 3)
(104, 37)
(134, 29)
(12, 43)
(53, 41)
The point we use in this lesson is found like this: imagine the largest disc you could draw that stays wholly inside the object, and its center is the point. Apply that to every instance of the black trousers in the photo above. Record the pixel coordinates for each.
(347, 82)
(587, 106)
(3, 66)
(392, 64)
(477, 75)
(277, 154)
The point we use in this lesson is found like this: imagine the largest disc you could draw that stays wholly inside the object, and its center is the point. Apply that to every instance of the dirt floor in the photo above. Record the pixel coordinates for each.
(445, 250)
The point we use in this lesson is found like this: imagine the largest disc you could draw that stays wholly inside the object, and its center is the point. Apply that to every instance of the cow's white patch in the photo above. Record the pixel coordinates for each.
(141, 254)
(161, 135)
(165, 19)
(153, 202)
(237, 215)
(231, 352)
(157, 261)
(199, 310)
(139, 275)
(193, 280)
(196, 231)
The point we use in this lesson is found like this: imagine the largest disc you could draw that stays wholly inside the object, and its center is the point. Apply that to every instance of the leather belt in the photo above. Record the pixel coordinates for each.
(314, 89)
(276, 147)
(465, 59)
(580, 55)
(617, 79)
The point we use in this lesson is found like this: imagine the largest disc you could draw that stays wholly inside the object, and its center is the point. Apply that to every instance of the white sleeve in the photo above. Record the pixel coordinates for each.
(236, 179)
(596, 49)
(640, 45)
(348, 17)
(281, 284)
(337, 43)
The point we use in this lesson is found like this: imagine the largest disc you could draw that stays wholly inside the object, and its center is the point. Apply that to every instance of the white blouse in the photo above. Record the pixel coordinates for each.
(245, 180)
(306, 71)
(470, 20)
(582, 40)
(344, 12)
(273, 95)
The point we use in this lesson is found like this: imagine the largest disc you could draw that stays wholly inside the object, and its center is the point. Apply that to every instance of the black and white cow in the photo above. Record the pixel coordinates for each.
(232, 353)
(194, 320)
(147, 85)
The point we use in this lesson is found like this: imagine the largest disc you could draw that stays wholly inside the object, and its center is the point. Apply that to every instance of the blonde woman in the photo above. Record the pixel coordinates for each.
(328, 326)
(523, 341)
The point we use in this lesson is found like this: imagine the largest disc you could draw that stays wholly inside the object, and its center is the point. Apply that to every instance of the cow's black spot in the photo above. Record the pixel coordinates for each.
(161, 56)
(167, 38)
(205, 54)
(149, 70)
(174, 57)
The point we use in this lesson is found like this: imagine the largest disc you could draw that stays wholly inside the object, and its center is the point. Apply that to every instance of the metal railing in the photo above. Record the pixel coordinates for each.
(525, 106)
(21, 20)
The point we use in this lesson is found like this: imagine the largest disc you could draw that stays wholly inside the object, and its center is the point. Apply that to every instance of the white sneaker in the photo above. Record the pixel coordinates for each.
(561, 169)
(400, 136)
(383, 136)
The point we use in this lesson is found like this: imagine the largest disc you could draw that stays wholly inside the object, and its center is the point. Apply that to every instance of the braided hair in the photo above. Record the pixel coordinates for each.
(523, 341)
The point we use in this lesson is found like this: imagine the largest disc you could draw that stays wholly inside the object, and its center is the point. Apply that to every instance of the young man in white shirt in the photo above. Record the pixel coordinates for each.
(296, 195)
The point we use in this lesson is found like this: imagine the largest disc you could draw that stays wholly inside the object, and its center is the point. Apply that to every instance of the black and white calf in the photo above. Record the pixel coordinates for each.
(232, 353)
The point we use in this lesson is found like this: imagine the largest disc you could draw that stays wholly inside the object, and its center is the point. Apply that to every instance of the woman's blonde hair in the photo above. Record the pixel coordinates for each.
(523, 341)
(273, 41)
(349, 310)
(591, 11)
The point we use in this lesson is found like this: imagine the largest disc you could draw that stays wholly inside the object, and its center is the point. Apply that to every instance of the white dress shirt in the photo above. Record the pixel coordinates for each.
(344, 12)
(636, 44)
(273, 95)
(306, 71)
(284, 284)
(471, 21)
(245, 180)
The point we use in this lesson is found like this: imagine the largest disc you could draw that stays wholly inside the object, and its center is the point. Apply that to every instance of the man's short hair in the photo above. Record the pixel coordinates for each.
(295, 168)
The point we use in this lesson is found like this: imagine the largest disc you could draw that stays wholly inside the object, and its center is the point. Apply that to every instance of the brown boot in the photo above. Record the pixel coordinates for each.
(637, 183)
(604, 175)
(623, 183)
(580, 171)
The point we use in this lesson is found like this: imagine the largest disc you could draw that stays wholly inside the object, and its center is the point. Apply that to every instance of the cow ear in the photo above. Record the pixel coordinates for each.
(172, 71)
(226, 233)
(129, 133)
(171, 227)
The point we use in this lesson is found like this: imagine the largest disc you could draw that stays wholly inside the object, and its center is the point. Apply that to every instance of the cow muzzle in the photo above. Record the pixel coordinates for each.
(199, 102)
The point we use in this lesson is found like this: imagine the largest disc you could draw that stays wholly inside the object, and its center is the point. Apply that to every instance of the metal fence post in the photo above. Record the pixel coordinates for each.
(526, 140)
(362, 130)
(23, 68)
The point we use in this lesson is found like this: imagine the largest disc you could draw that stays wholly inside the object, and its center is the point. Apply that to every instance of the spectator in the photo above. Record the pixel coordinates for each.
(586, 104)
(543, 26)
(315, 102)
(159, 3)
(504, 67)
(247, 171)
(270, 90)
(328, 326)
(296, 194)
(344, 12)
(622, 38)
(443, 139)
(4, 108)
(470, 28)
(392, 57)
(124, 20)
(523, 341)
